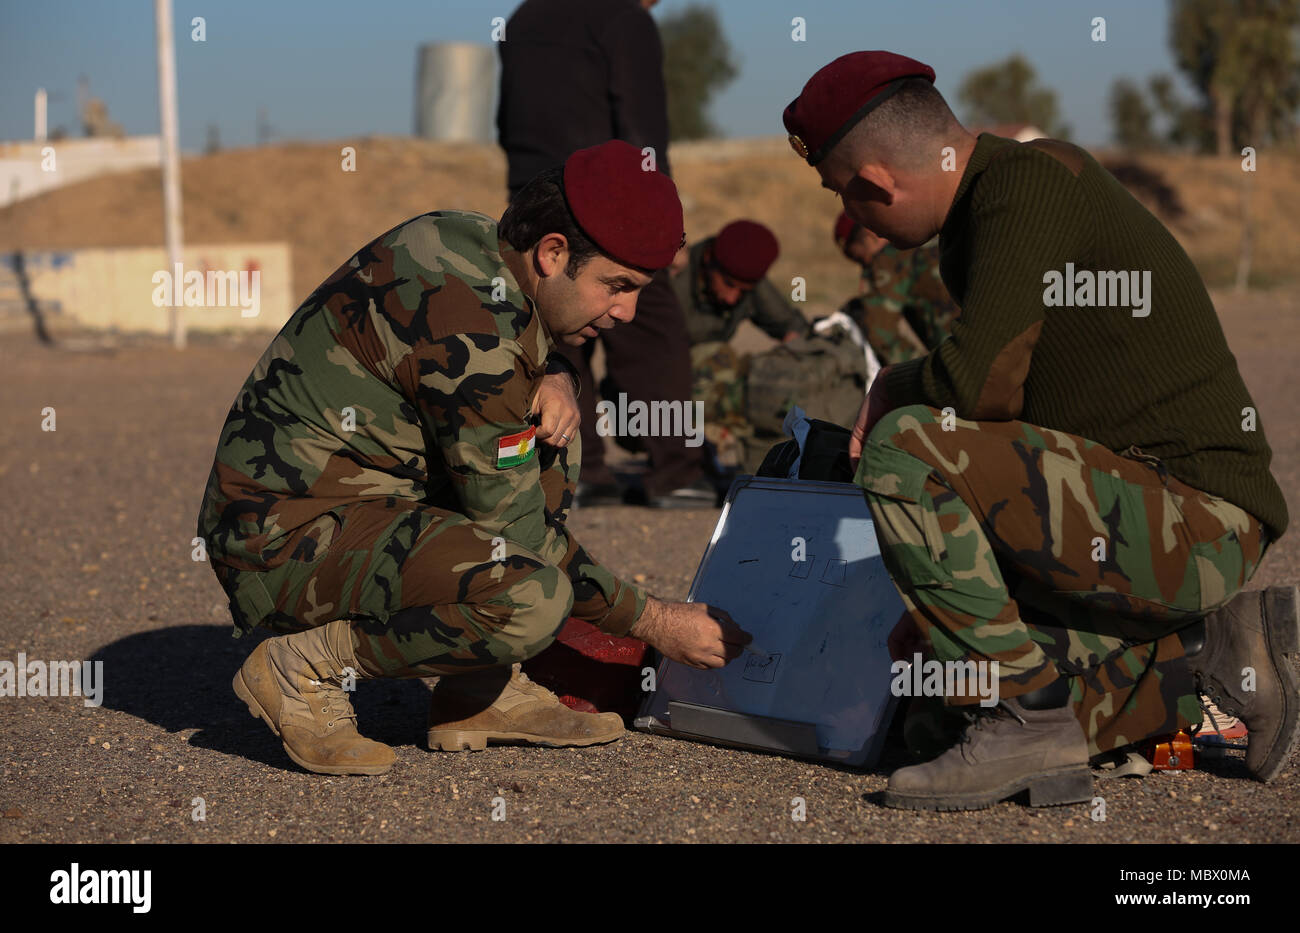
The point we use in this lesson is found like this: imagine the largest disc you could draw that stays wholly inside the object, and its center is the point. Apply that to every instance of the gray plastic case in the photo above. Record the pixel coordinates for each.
(816, 681)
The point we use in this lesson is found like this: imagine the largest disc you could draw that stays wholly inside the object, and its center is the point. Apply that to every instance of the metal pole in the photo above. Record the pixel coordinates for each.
(41, 124)
(171, 166)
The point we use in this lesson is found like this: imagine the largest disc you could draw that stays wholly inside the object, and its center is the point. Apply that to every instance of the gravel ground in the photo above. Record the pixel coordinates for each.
(97, 565)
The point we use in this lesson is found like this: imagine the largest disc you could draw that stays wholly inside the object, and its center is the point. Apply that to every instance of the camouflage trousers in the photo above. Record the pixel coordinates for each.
(1053, 555)
(889, 334)
(897, 334)
(719, 375)
(428, 590)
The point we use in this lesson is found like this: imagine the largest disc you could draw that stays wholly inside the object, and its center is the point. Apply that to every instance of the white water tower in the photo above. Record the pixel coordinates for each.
(455, 92)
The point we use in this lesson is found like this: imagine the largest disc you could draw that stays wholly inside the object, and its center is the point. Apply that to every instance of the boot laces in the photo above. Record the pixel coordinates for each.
(533, 687)
(334, 703)
(976, 719)
(980, 716)
(1208, 688)
(1208, 711)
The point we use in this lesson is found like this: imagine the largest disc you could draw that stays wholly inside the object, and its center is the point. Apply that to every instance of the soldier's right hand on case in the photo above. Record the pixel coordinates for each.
(694, 634)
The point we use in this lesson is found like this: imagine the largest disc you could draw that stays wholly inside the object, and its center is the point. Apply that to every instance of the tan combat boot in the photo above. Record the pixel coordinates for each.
(294, 682)
(502, 706)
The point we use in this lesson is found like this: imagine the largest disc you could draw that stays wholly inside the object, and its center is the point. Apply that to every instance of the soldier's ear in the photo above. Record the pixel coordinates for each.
(551, 254)
(873, 182)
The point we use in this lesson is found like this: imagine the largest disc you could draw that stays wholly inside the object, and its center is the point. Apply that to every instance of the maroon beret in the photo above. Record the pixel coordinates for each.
(745, 250)
(844, 227)
(633, 216)
(841, 94)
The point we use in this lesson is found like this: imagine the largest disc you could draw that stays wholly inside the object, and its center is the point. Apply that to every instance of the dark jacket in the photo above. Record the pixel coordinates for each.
(1123, 369)
(575, 73)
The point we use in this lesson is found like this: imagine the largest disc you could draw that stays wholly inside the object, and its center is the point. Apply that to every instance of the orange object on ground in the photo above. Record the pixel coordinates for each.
(1170, 752)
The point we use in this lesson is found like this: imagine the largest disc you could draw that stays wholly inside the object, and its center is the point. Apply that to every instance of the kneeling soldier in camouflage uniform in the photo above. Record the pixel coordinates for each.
(902, 308)
(722, 284)
(378, 495)
(1071, 485)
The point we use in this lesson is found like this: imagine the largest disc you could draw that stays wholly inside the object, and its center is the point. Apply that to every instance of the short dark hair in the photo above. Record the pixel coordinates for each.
(916, 110)
(539, 208)
(901, 129)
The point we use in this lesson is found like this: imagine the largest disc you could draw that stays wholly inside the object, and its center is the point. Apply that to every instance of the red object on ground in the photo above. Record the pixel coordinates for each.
(592, 671)
(1218, 728)
(1229, 736)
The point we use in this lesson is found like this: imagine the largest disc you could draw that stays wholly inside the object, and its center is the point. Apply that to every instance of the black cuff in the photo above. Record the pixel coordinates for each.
(557, 362)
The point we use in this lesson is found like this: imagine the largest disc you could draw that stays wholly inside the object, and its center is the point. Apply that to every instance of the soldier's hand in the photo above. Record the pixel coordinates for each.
(874, 407)
(557, 404)
(694, 634)
(905, 641)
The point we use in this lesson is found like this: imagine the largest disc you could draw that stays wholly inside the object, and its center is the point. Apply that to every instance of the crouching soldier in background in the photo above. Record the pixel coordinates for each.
(902, 308)
(722, 284)
(379, 497)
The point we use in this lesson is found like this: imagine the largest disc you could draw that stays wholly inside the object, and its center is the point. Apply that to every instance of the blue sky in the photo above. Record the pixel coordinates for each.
(328, 69)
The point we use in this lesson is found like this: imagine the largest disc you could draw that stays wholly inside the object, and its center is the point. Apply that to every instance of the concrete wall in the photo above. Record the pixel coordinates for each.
(23, 171)
(115, 289)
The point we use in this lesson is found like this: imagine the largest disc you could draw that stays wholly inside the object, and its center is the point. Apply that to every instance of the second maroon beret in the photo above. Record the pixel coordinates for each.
(746, 250)
(634, 216)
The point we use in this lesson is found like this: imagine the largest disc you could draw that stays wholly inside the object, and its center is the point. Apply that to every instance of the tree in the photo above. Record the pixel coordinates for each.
(1187, 123)
(1130, 115)
(1243, 58)
(1137, 118)
(1196, 34)
(1267, 42)
(1008, 92)
(697, 63)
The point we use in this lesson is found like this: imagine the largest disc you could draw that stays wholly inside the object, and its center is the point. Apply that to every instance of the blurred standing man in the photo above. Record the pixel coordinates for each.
(378, 497)
(1074, 484)
(575, 73)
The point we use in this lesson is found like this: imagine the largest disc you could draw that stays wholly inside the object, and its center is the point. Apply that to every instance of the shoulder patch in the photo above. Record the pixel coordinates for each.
(1067, 154)
(514, 449)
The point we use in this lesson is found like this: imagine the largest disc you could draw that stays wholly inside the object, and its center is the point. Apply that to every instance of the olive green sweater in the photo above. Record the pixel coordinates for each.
(1046, 338)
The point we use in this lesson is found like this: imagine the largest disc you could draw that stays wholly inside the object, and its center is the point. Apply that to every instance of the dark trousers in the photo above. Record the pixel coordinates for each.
(649, 358)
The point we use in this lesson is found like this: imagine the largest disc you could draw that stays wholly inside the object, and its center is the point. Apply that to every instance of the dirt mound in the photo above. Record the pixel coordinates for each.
(1209, 190)
(299, 193)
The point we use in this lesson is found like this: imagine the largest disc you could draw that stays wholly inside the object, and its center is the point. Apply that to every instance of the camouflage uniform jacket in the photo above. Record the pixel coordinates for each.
(425, 340)
(906, 282)
(707, 321)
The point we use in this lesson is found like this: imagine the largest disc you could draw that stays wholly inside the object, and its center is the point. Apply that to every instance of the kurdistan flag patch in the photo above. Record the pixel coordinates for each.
(514, 449)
